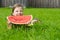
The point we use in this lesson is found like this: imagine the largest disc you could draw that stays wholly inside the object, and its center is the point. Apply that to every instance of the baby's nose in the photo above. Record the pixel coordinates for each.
(19, 12)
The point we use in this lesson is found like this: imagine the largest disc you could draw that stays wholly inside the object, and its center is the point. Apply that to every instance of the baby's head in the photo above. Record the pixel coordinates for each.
(17, 10)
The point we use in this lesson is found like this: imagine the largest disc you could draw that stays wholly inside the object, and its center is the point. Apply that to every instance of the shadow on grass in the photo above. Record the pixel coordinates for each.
(24, 27)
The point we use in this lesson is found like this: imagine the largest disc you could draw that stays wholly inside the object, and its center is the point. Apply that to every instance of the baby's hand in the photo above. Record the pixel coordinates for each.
(8, 22)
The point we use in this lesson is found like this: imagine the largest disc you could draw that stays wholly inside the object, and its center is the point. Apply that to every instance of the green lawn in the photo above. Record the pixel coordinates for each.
(48, 29)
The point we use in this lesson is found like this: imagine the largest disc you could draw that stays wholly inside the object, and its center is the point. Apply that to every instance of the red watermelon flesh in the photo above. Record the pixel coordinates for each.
(25, 19)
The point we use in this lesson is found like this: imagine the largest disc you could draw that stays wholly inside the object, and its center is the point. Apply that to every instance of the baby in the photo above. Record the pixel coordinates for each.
(17, 10)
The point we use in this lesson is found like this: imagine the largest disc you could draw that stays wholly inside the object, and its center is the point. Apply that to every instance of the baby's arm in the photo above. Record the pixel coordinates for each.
(9, 24)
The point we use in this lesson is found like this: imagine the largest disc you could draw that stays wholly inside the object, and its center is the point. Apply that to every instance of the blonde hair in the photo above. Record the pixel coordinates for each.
(16, 5)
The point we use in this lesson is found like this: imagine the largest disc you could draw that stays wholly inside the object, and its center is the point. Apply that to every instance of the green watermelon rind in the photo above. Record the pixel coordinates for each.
(21, 23)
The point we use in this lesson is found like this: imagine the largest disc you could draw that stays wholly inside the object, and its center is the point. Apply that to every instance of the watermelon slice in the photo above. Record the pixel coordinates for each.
(25, 19)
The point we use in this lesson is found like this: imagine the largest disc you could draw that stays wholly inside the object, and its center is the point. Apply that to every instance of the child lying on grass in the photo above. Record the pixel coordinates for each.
(17, 10)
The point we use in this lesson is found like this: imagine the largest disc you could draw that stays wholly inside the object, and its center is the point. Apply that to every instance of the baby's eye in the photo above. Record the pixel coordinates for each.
(16, 11)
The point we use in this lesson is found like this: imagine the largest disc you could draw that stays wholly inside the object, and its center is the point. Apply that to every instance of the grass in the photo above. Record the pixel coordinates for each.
(49, 29)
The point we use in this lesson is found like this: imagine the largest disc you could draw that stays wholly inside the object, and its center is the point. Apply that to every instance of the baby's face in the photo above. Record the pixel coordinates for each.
(18, 11)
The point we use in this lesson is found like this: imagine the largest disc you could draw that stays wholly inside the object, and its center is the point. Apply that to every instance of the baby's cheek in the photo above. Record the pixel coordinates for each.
(21, 13)
(14, 14)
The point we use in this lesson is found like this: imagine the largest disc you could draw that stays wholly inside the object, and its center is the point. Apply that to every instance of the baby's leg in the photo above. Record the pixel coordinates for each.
(9, 26)
(32, 22)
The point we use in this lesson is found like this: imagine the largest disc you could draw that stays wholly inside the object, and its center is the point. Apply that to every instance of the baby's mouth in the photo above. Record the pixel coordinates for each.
(19, 14)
